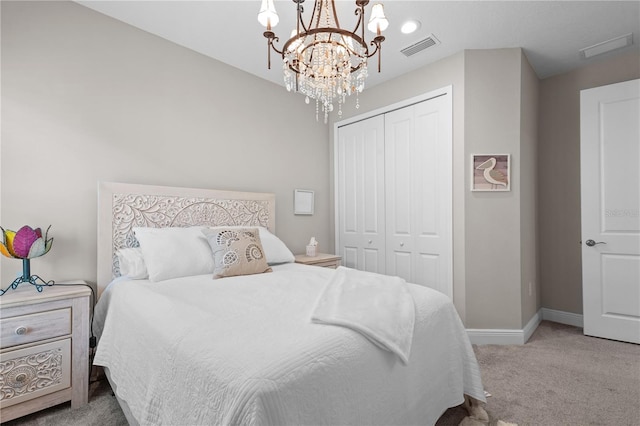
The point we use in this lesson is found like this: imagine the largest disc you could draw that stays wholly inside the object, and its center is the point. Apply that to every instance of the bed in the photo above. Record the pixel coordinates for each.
(243, 349)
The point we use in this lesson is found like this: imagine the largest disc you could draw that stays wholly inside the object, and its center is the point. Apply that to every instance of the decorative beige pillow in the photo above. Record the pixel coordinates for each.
(236, 251)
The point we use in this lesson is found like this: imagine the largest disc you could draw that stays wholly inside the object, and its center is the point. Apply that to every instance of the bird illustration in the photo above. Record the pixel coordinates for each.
(494, 177)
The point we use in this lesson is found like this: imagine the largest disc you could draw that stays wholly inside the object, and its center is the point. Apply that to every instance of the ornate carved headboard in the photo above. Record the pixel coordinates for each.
(123, 206)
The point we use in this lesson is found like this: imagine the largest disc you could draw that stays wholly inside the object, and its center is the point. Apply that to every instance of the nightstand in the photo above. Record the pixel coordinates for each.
(322, 259)
(44, 348)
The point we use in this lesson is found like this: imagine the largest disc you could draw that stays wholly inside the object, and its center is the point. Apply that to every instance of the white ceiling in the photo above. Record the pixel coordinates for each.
(550, 32)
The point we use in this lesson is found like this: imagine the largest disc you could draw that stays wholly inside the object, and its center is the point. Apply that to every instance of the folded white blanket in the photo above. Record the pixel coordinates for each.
(379, 307)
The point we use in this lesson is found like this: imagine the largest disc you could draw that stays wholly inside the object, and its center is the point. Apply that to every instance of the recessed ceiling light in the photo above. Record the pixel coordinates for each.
(410, 26)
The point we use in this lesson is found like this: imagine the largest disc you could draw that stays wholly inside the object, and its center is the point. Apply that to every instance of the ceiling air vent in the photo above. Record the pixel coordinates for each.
(429, 41)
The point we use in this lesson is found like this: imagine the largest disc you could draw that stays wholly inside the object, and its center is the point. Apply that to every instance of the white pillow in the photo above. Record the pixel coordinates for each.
(175, 252)
(275, 250)
(132, 263)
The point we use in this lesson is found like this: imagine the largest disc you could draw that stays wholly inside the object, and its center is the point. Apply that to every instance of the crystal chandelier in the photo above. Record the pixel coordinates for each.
(322, 60)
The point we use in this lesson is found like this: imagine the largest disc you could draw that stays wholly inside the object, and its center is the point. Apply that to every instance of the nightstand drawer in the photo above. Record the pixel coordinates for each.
(35, 371)
(34, 327)
(333, 264)
(323, 260)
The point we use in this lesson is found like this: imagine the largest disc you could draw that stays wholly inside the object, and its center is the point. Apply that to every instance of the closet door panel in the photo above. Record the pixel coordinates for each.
(427, 270)
(433, 205)
(351, 148)
(425, 171)
(426, 180)
(349, 256)
(399, 187)
(360, 194)
(371, 260)
(402, 262)
(372, 180)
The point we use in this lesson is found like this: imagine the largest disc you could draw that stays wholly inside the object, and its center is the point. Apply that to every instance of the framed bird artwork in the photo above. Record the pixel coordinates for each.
(491, 172)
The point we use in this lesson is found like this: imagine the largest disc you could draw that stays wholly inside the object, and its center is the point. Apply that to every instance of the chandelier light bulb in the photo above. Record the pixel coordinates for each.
(378, 22)
(268, 16)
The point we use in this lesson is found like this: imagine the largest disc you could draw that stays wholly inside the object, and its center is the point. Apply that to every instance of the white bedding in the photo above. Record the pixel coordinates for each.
(243, 350)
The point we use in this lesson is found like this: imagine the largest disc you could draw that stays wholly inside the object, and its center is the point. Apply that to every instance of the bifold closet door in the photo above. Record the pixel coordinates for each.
(418, 181)
(393, 193)
(360, 194)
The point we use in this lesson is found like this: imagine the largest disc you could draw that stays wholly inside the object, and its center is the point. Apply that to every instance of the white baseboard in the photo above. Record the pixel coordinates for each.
(495, 336)
(561, 317)
(504, 336)
(531, 326)
(520, 337)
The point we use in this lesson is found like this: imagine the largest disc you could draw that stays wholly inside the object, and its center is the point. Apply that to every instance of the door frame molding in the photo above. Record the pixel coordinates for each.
(445, 90)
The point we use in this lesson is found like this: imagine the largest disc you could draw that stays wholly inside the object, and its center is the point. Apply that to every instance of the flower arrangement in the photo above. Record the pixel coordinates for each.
(27, 243)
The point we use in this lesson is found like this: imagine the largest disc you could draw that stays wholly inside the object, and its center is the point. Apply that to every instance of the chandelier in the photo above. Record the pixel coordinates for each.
(321, 60)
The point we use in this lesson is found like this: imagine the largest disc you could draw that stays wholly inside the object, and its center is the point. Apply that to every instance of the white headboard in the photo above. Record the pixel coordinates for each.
(122, 206)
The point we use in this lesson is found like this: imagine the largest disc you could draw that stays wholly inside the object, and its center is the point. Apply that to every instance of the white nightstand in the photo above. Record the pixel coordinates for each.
(322, 259)
(44, 348)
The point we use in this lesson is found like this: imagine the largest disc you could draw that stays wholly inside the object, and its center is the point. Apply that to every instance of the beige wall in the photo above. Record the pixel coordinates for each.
(492, 241)
(529, 283)
(86, 98)
(559, 176)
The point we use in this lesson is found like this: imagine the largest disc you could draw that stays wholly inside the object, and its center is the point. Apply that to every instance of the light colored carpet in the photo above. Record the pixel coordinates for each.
(560, 377)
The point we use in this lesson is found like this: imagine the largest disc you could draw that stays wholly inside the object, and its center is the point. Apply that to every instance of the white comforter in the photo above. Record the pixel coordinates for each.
(243, 350)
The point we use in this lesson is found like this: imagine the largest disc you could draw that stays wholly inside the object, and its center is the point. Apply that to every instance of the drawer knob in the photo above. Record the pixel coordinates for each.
(21, 330)
(20, 378)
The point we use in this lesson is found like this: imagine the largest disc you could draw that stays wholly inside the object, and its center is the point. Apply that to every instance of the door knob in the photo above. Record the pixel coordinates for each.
(592, 243)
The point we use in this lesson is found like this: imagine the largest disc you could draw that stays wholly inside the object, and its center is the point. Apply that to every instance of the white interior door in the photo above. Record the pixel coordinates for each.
(610, 182)
(360, 194)
(418, 186)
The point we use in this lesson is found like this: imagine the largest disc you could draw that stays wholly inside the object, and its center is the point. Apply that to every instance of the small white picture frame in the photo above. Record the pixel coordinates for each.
(303, 201)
